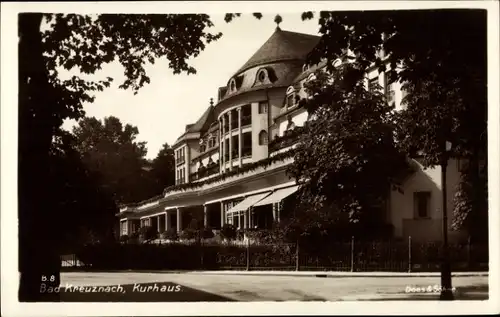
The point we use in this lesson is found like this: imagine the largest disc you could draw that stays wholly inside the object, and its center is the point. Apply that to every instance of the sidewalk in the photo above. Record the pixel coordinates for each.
(336, 274)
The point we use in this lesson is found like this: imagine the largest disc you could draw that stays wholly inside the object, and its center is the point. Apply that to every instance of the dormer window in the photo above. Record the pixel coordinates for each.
(261, 76)
(232, 85)
(305, 68)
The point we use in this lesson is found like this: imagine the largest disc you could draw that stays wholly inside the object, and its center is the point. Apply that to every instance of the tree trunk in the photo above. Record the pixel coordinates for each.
(39, 263)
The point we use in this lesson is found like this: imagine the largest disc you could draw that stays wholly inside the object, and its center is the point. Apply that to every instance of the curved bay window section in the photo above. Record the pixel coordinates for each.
(235, 120)
(236, 136)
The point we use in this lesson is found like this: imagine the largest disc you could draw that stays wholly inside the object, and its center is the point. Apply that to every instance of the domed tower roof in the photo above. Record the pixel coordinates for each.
(282, 46)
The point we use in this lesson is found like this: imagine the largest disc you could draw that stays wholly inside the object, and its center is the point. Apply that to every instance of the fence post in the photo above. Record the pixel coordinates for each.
(297, 263)
(352, 254)
(248, 255)
(409, 254)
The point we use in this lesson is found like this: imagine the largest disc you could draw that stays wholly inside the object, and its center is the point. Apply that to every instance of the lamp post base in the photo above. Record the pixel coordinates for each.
(446, 288)
(446, 294)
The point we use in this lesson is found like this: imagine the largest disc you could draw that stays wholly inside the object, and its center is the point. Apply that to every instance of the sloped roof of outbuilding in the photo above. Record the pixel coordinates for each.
(281, 46)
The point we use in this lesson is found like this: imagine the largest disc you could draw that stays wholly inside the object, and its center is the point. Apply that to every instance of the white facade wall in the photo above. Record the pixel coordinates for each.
(402, 206)
(259, 123)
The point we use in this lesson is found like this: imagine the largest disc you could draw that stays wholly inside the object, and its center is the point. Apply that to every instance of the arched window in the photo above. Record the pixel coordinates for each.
(263, 137)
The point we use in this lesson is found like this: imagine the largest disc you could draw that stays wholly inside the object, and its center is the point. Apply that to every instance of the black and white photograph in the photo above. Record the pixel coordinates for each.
(235, 158)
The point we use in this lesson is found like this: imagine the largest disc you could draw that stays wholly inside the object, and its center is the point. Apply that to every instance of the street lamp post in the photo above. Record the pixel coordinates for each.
(446, 290)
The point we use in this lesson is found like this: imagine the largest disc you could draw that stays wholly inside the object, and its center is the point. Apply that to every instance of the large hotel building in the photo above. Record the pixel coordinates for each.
(230, 165)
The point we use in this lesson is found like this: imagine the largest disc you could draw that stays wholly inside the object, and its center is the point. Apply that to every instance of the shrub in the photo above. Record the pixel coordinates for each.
(240, 234)
(124, 238)
(134, 235)
(207, 233)
(188, 234)
(170, 234)
(148, 233)
(228, 232)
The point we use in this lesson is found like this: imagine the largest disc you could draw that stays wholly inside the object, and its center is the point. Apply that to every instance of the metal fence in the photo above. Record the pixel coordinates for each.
(355, 256)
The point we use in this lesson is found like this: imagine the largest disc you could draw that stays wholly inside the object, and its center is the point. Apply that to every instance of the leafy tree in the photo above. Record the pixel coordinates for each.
(162, 172)
(85, 43)
(441, 62)
(354, 126)
(228, 232)
(148, 233)
(110, 149)
(85, 212)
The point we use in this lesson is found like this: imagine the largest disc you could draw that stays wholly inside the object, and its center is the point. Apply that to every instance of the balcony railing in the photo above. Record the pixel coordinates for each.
(206, 171)
(290, 138)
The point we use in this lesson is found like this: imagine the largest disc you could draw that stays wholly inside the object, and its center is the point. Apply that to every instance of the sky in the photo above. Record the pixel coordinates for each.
(162, 109)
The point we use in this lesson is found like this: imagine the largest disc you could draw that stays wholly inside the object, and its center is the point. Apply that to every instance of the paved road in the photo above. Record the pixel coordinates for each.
(201, 287)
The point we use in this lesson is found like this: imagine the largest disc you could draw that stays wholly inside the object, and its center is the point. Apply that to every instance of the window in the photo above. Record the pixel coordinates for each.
(421, 202)
(261, 76)
(372, 83)
(232, 85)
(262, 107)
(389, 90)
(290, 125)
(262, 137)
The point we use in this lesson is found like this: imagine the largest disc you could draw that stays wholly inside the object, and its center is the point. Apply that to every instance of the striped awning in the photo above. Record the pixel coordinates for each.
(277, 196)
(248, 202)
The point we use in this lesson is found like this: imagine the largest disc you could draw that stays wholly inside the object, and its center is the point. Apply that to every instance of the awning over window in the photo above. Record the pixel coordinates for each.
(248, 202)
(277, 196)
